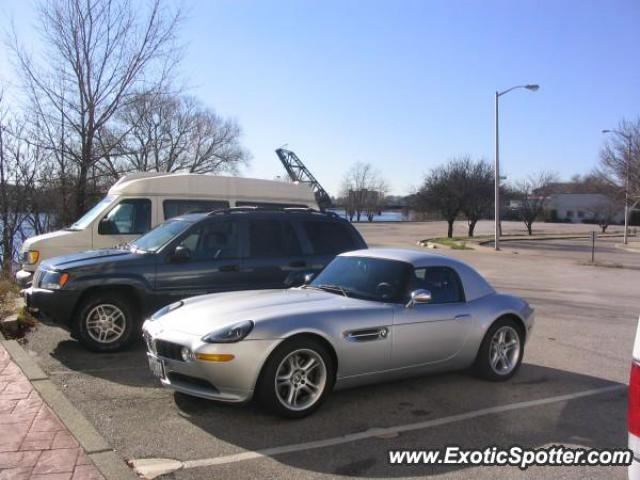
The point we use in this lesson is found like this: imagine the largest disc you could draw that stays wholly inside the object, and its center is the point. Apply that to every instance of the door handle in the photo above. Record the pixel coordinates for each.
(462, 316)
(229, 268)
(367, 334)
(298, 263)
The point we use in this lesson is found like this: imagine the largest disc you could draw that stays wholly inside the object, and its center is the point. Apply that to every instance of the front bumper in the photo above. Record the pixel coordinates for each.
(57, 305)
(24, 278)
(230, 381)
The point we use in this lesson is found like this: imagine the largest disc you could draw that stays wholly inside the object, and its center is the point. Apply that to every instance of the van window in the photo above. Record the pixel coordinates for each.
(442, 282)
(328, 237)
(213, 241)
(270, 205)
(272, 239)
(173, 208)
(131, 216)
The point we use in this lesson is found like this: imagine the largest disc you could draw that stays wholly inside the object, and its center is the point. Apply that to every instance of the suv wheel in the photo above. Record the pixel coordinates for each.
(296, 378)
(105, 322)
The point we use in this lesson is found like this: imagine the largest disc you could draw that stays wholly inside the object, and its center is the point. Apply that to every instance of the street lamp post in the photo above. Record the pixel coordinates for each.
(533, 88)
(626, 181)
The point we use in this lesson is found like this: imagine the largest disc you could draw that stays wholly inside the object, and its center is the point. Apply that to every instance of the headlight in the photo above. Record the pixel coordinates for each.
(231, 334)
(54, 280)
(31, 257)
(164, 310)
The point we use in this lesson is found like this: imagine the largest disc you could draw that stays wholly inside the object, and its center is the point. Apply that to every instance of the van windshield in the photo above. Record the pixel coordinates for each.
(155, 239)
(91, 215)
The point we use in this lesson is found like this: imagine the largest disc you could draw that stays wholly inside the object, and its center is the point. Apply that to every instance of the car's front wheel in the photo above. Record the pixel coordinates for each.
(501, 351)
(105, 322)
(296, 378)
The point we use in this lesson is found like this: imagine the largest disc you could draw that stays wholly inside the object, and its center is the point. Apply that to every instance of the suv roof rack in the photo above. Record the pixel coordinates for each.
(273, 209)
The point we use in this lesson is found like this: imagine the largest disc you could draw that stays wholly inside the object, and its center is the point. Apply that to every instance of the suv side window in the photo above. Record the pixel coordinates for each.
(272, 239)
(213, 241)
(443, 283)
(174, 207)
(132, 216)
(328, 237)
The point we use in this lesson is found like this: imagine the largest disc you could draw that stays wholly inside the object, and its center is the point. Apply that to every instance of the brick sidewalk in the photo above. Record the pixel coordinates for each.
(34, 443)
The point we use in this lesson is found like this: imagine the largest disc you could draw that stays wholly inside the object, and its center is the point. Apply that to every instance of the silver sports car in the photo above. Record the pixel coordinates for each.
(369, 316)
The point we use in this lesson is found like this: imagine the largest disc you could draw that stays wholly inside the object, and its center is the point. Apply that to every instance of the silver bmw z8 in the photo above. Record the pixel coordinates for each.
(369, 316)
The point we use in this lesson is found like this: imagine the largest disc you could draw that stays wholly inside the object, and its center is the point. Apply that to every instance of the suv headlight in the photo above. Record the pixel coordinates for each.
(166, 309)
(31, 257)
(53, 280)
(231, 334)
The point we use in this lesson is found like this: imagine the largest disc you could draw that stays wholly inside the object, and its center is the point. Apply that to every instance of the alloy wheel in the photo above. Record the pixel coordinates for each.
(300, 379)
(105, 323)
(504, 351)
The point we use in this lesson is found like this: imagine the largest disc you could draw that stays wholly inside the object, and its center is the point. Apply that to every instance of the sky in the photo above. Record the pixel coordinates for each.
(406, 85)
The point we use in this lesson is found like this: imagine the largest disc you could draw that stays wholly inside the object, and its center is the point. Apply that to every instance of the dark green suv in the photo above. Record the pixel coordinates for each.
(103, 295)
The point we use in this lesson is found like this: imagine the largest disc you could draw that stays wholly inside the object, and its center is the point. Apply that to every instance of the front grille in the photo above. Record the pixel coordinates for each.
(168, 350)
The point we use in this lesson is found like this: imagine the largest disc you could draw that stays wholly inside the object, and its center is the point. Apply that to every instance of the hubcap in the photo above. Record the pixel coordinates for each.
(505, 350)
(300, 379)
(105, 323)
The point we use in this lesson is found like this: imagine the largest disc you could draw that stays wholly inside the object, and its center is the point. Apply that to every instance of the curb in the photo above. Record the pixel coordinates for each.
(110, 465)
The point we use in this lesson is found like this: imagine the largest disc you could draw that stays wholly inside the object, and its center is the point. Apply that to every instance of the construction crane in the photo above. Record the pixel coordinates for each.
(298, 172)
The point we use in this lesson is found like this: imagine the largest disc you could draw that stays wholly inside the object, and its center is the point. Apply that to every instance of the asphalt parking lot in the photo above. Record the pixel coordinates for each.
(569, 391)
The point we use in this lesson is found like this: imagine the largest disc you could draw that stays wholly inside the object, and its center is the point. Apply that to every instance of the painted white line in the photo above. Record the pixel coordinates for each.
(389, 432)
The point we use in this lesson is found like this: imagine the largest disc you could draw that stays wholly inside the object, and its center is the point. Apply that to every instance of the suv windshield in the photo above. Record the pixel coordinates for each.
(366, 278)
(155, 239)
(91, 215)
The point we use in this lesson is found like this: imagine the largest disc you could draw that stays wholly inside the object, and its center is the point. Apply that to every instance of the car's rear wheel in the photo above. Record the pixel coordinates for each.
(296, 378)
(500, 354)
(105, 322)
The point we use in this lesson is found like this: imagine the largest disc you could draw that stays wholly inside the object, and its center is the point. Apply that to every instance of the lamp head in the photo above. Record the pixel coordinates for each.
(532, 87)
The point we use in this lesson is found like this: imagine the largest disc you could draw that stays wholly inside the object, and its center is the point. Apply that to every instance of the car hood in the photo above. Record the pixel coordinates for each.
(89, 258)
(59, 238)
(203, 314)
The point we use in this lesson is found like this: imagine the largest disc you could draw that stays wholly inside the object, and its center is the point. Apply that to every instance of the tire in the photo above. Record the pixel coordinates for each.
(489, 364)
(282, 363)
(115, 310)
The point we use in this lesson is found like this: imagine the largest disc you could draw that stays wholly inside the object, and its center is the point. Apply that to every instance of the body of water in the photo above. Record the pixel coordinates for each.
(385, 216)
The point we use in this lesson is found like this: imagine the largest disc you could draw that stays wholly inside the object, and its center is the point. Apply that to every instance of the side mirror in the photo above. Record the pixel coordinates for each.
(419, 296)
(107, 227)
(308, 277)
(181, 254)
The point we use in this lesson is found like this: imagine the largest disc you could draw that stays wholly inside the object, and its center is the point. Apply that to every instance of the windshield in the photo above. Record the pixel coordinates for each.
(365, 278)
(155, 239)
(91, 215)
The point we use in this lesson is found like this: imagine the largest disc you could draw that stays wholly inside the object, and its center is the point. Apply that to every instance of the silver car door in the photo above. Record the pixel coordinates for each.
(364, 342)
(436, 331)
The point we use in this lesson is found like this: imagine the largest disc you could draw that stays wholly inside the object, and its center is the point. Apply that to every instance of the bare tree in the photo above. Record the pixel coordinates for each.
(620, 159)
(532, 194)
(168, 133)
(442, 192)
(18, 173)
(99, 54)
(358, 186)
(605, 211)
(476, 191)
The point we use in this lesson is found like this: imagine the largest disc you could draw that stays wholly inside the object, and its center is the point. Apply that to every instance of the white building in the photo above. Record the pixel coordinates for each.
(578, 207)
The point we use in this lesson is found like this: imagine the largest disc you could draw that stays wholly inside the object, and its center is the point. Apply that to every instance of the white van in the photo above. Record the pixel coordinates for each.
(139, 202)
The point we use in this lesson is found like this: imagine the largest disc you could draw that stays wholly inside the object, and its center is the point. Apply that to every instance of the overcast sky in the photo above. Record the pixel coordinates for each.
(406, 85)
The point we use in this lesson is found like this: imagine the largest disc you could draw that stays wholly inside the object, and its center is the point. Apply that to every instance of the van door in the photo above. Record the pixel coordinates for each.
(212, 262)
(123, 223)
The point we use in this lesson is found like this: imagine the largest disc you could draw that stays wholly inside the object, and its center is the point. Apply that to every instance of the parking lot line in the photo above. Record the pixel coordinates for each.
(149, 467)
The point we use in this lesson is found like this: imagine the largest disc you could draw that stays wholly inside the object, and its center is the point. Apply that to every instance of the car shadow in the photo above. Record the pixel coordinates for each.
(593, 421)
